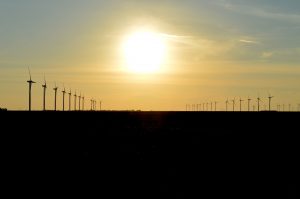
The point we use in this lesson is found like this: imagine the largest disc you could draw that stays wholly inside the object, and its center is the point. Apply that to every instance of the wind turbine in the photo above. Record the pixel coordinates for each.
(30, 82)
(227, 102)
(95, 104)
(75, 98)
(70, 94)
(258, 101)
(270, 98)
(79, 99)
(64, 92)
(211, 106)
(55, 91)
(100, 103)
(249, 100)
(44, 96)
(241, 104)
(233, 104)
(216, 106)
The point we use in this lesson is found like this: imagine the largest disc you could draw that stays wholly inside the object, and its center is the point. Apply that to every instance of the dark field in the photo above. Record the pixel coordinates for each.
(152, 154)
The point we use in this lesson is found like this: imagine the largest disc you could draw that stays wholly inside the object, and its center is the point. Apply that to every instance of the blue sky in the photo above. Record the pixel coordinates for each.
(224, 47)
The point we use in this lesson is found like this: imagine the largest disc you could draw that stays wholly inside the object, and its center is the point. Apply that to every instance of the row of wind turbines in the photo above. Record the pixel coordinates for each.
(81, 99)
(212, 106)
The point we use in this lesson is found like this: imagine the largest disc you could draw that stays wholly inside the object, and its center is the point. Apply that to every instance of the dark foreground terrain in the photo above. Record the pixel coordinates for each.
(151, 154)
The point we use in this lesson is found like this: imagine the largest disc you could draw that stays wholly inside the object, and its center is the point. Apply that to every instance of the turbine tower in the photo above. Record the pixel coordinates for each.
(227, 102)
(75, 98)
(249, 100)
(44, 96)
(30, 82)
(79, 99)
(55, 91)
(241, 104)
(233, 104)
(258, 103)
(64, 92)
(216, 106)
(70, 94)
(100, 103)
(270, 98)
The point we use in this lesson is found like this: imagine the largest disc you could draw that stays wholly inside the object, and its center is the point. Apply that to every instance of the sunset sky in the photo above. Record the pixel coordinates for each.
(212, 50)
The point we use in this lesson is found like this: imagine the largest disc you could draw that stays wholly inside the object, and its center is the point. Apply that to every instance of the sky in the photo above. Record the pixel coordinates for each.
(217, 49)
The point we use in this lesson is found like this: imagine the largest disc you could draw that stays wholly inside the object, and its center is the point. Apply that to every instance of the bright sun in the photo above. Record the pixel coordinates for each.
(144, 52)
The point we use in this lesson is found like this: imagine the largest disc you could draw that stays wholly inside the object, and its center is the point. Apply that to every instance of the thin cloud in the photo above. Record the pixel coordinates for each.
(259, 12)
(248, 41)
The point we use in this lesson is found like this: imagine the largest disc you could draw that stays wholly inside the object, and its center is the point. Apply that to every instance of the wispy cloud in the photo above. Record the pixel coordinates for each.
(248, 41)
(259, 12)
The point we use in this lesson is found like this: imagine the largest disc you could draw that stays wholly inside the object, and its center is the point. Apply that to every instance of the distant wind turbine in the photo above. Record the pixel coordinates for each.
(270, 98)
(249, 100)
(241, 104)
(216, 106)
(75, 98)
(44, 96)
(211, 106)
(79, 100)
(258, 103)
(70, 94)
(100, 103)
(30, 82)
(233, 104)
(64, 92)
(55, 95)
(227, 102)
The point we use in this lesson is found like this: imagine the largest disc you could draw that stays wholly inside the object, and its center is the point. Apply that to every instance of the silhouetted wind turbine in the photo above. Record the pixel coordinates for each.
(30, 82)
(216, 106)
(44, 96)
(241, 104)
(249, 100)
(64, 92)
(100, 103)
(55, 94)
(70, 94)
(233, 104)
(75, 98)
(270, 98)
(258, 103)
(79, 100)
(227, 102)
